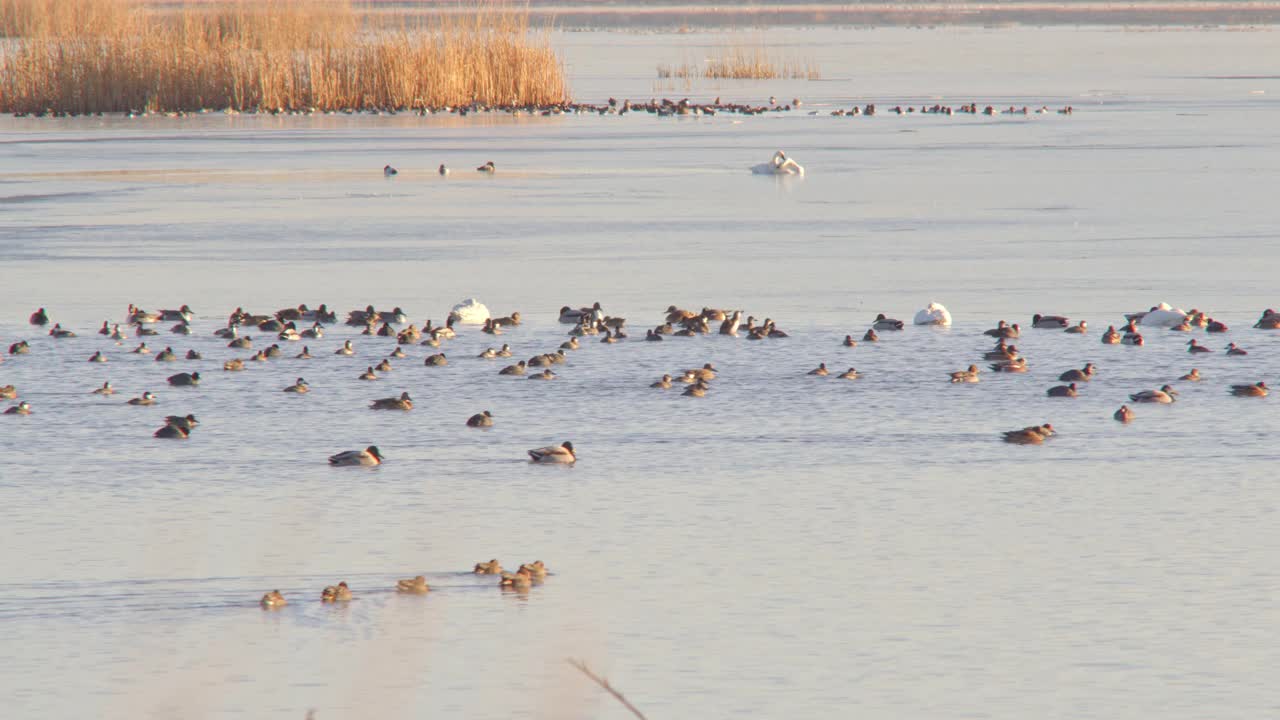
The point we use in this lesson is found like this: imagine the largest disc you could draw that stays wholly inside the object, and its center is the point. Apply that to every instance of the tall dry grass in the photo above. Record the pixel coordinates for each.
(742, 60)
(266, 55)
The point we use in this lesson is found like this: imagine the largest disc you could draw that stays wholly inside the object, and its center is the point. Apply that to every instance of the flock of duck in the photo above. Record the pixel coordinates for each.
(591, 322)
(521, 581)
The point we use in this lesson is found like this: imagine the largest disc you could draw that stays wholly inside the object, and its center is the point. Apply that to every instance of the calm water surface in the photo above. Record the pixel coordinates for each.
(786, 547)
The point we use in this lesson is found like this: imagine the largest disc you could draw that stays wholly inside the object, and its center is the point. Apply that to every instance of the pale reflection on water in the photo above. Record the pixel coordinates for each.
(787, 546)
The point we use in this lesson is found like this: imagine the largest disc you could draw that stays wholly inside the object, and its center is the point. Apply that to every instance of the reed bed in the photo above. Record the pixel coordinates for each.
(267, 55)
(741, 61)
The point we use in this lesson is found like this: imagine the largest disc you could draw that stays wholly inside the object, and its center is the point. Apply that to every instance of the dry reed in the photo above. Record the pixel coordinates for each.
(740, 61)
(582, 667)
(258, 55)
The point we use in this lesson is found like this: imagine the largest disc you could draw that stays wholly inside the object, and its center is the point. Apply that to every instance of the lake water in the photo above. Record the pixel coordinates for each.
(788, 546)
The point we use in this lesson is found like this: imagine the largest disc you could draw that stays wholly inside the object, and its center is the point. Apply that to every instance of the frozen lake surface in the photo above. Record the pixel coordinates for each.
(786, 547)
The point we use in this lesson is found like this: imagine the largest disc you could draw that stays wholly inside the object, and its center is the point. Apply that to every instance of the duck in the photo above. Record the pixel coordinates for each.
(698, 389)
(1132, 338)
(1184, 326)
(663, 384)
(1193, 376)
(234, 365)
(39, 317)
(59, 332)
(1195, 347)
(368, 457)
(22, 347)
(853, 374)
(488, 168)
(1270, 320)
(148, 398)
(315, 332)
(652, 336)
(885, 323)
(166, 355)
(404, 402)
(706, 372)
(821, 370)
(1016, 365)
(1164, 396)
(505, 350)
(488, 354)
(388, 171)
(731, 324)
(368, 374)
(688, 377)
(871, 336)
(1258, 389)
(519, 581)
(106, 328)
(493, 567)
(193, 355)
(1001, 352)
(1034, 435)
(182, 328)
(1068, 391)
(142, 349)
(491, 328)
(22, 408)
(9, 392)
(346, 349)
(172, 432)
(398, 353)
(481, 419)
(849, 341)
(1233, 349)
(554, 454)
(290, 334)
(241, 343)
(106, 389)
(299, 386)
(184, 379)
(1084, 374)
(573, 344)
(414, 586)
(384, 366)
(544, 375)
(537, 569)
(436, 360)
(1078, 329)
(442, 170)
(1214, 326)
(142, 331)
(338, 593)
(273, 601)
(1111, 336)
(965, 376)
(182, 314)
(186, 422)
(1049, 321)
(517, 369)
(98, 357)
(998, 331)
(1124, 414)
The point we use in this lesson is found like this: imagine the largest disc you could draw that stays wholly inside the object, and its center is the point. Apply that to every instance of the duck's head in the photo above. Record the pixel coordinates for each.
(374, 451)
(567, 446)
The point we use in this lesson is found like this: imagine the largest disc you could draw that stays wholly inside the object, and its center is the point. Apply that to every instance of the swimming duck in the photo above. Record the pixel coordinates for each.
(688, 377)
(544, 375)
(59, 332)
(336, 593)
(388, 171)
(142, 349)
(488, 354)
(436, 360)
(233, 365)
(22, 347)
(608, 338)
(730, 325)
(39, 317)
(1214, 326)
(998, 331)
(493, 567)
(184, 379)
(147, 398)
(271, 325)
(9, 392)
(259, 356)
(698, 389)
(1195, 347)
(505, 350)
(965, 376)
(849, 341)
(182, 314)
(350, 458)
(172, 432)
(290, 334)
(166, 355)
(273, 601)
(537, 569)
(1270, 320)
(299, 386)
(384, 366)
(652, 336)
(871, 336)
(398, 353)
(1016, 365)
(105, 329)
(404, 402)
(346, 349)
(1026, 436)
(193, 355)
(706, 372)
(416, 586)
(1049, 321)
(182, 328)
(562, 453)
(821, 370)
(305, 354)
(885, 323)
(488, 168)
(241, 343)
(1163, 396)
(1193, 376)
(517, 369)
(1068, 391)
(852, 374)
(1124, 414)
(573, 344)
(442, 170)
(519, 581)
(1111, 336)
(1256, 390)
(1184, 326)
(21, 408)
(1234, 349)
(1084, 374)
(481, 419)
(186, 422)
(1078, 329)
(316, 331)
(663, 384)
(1134, 339)
(98, 357)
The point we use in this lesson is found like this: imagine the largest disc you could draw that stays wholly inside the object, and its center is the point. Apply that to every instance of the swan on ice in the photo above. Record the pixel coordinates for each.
(779, 165)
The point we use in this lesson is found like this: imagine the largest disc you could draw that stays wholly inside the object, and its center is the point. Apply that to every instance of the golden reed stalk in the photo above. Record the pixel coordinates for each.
(81, 56)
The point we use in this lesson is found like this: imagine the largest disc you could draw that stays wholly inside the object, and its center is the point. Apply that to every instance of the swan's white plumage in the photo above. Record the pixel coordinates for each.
(470, 312)
(935, 314)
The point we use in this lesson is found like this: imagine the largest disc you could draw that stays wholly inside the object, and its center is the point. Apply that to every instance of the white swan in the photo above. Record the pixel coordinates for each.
(470, 312)
(779, 165)
(1163, 315)
(935, 314)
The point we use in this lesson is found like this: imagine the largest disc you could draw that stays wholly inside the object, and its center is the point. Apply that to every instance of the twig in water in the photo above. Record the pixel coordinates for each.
(582, 666)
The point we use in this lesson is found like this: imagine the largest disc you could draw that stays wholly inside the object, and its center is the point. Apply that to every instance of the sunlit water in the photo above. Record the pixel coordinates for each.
(788, 546)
